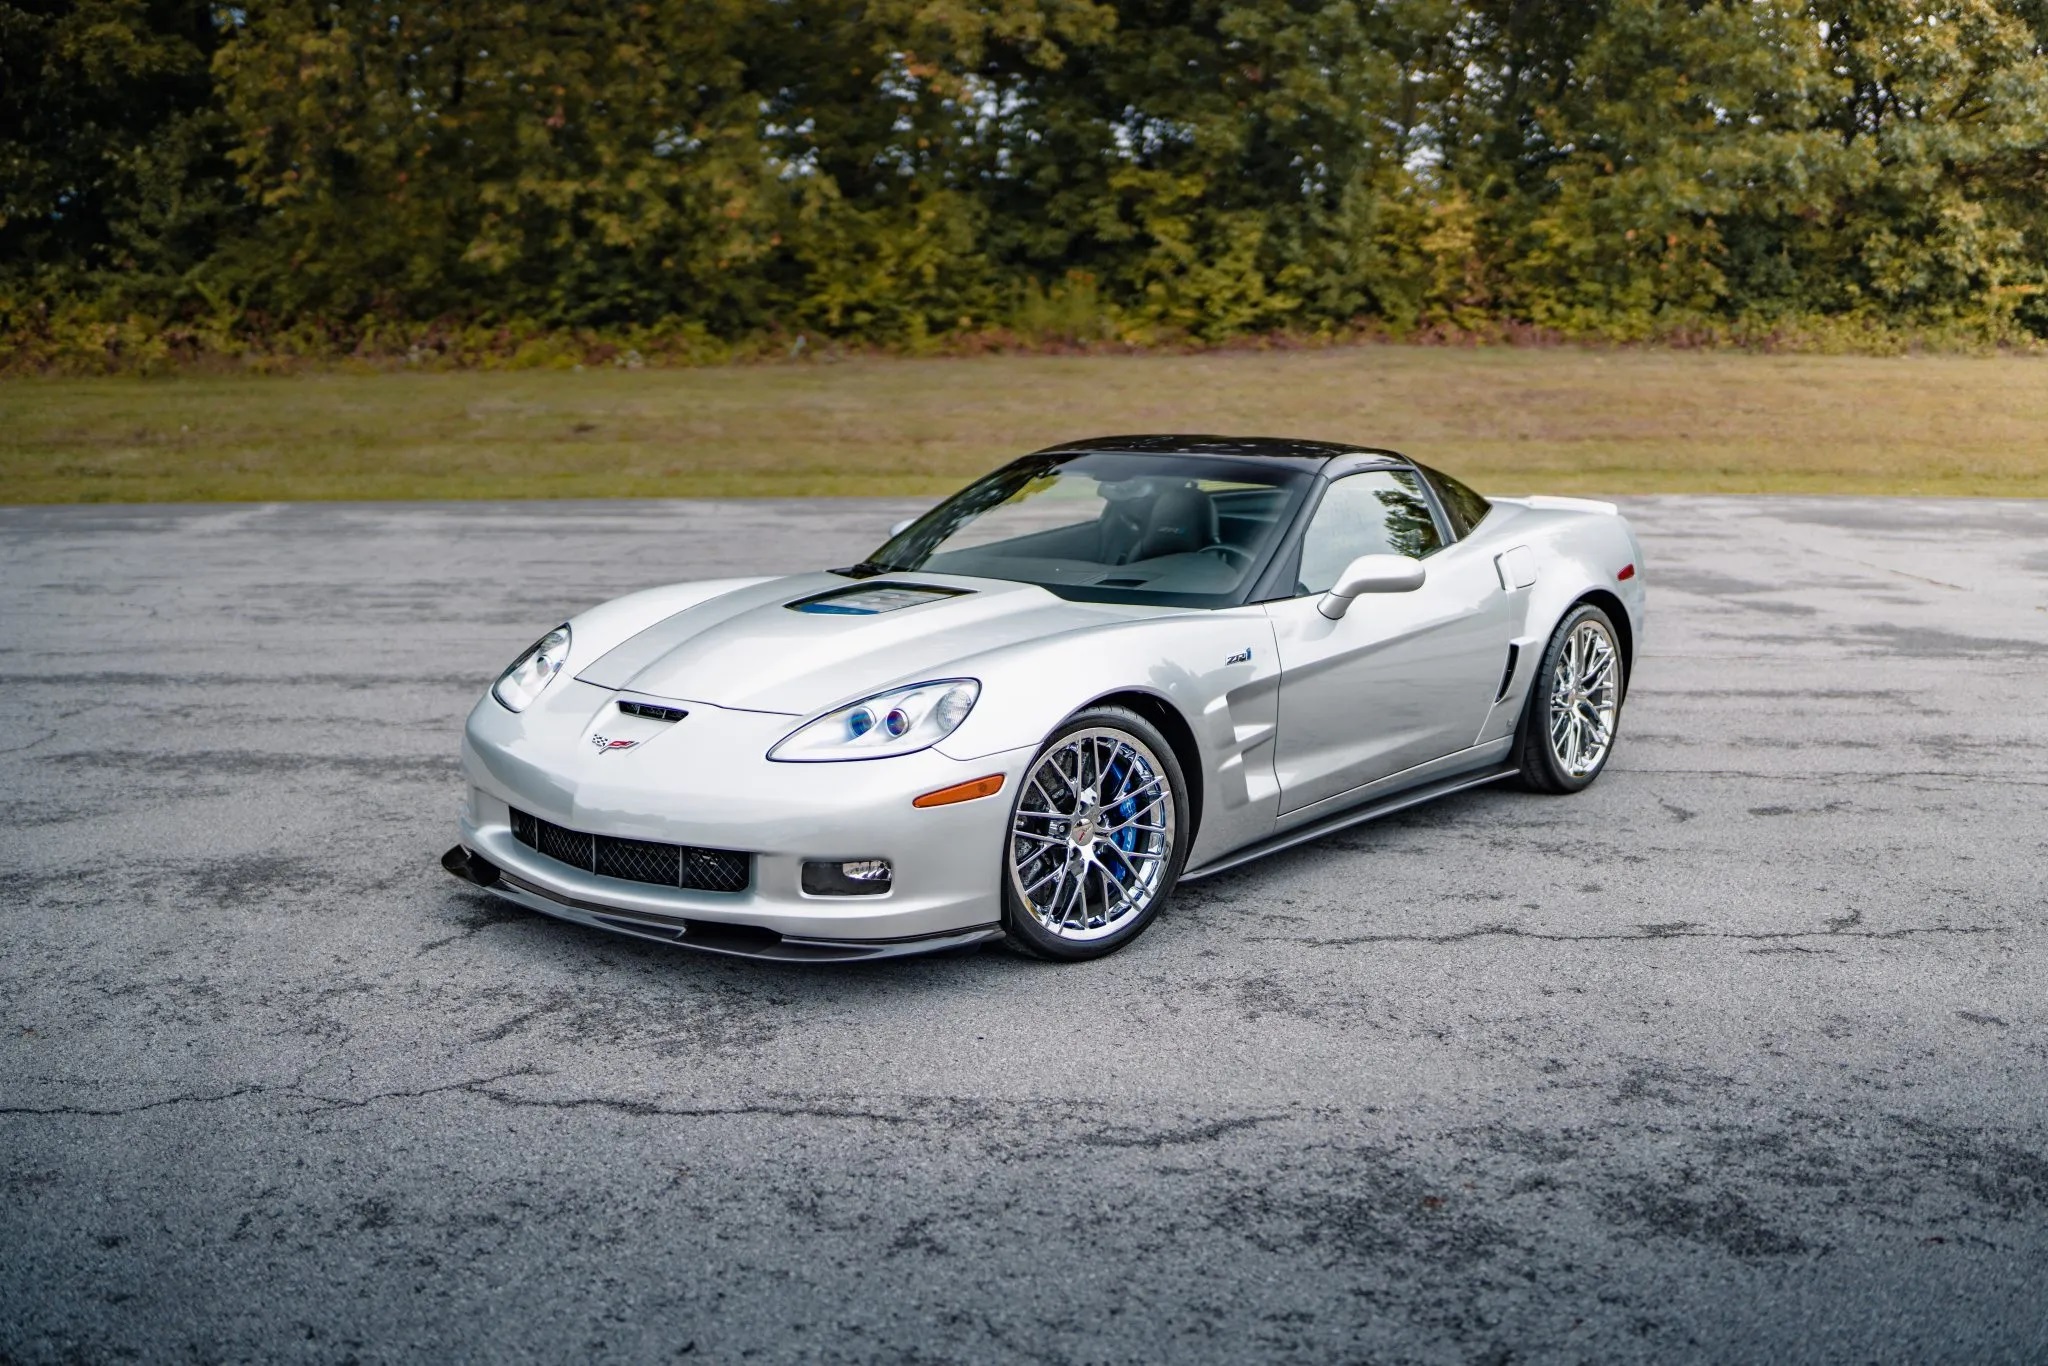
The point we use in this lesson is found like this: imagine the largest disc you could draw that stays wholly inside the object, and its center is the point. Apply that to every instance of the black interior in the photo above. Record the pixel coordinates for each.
(1181, 538)
(1191, 531)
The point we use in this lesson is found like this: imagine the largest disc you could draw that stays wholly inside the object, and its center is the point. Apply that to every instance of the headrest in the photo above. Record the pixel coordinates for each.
(1182, 520)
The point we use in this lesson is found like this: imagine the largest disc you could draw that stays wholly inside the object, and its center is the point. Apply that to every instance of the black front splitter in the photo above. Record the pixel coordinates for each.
(757, 942)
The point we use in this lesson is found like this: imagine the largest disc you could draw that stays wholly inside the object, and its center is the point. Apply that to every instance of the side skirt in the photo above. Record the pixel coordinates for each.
(1357, 815)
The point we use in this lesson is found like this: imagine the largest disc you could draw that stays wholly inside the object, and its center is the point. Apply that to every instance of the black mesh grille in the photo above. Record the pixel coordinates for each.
(568, 846)
(639, 861)
(664, 865)
(713, 870)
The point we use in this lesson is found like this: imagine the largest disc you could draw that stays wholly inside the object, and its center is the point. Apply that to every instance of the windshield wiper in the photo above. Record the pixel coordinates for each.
(866, 569)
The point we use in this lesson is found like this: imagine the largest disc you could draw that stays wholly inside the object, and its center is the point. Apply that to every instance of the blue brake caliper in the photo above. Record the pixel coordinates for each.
(1126, 838)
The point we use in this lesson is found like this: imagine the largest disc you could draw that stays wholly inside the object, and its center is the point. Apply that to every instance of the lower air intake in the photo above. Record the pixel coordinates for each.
(661, 865)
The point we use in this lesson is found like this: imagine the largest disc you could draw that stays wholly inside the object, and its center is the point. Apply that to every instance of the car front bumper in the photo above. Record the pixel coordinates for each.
(706, 936)
(705, 782)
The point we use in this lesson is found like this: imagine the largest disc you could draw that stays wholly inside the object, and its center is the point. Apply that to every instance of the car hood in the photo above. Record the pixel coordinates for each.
(752, 649)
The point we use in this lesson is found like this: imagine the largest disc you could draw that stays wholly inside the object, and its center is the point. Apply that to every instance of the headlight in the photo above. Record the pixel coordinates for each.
(887, 724)
(531, 673)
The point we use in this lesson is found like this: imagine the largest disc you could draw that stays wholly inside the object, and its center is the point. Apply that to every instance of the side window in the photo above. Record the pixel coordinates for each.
(1465, 508)
(1377, 512)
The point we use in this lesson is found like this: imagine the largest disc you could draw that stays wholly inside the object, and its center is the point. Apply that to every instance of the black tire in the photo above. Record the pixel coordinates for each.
(1026, 932)
(1541, 767)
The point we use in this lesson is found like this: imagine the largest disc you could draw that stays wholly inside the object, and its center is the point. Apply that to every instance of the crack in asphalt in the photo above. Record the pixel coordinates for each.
(1174, 1138)
(1829, 776)
(16, 749)
(295, 1089)
(1651, 932)
(488, 1088)
(484, 912)
(1885, 569)
(476, 1086)
(649, 1109)
(91, 1112)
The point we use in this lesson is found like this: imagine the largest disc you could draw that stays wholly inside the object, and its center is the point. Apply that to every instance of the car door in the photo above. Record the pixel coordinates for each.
(1400, 679)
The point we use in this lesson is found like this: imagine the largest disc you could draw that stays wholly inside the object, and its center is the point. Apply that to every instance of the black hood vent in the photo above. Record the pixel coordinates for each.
(872, 599)
(652, 712)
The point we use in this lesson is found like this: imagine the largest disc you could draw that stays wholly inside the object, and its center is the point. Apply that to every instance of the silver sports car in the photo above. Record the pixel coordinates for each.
(1104, 669)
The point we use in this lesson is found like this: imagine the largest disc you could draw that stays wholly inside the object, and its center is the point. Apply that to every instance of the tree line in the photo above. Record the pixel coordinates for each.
(909, 172)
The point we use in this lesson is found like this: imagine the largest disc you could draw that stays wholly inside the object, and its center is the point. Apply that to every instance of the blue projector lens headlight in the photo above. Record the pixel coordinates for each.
(910, 719)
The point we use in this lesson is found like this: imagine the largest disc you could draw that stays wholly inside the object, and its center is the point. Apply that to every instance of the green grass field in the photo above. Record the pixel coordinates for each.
(1508, 420)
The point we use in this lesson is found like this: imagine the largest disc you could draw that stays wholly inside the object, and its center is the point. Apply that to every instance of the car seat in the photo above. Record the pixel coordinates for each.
(1180, 521)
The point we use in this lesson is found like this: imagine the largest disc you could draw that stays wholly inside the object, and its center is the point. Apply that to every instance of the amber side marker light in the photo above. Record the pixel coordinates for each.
(962, 792)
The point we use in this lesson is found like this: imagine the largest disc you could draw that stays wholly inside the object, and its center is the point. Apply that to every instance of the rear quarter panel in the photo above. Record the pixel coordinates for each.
(1581, 550)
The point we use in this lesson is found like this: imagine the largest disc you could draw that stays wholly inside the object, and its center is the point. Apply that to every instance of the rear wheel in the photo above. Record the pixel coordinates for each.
(1098, 835)
(1574, 709)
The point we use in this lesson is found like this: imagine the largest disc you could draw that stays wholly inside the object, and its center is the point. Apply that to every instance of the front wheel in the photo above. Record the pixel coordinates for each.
(1574, 708)
(1098, 834)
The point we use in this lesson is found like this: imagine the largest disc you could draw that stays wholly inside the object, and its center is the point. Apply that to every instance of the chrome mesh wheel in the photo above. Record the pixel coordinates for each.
(1092, 835)
(1585, 693)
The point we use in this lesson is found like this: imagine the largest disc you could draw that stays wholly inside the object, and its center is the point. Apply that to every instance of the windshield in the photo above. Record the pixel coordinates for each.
(1111, 526)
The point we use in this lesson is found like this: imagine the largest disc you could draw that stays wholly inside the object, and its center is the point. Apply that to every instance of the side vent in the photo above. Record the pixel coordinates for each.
(1507, 675)
(652, 712)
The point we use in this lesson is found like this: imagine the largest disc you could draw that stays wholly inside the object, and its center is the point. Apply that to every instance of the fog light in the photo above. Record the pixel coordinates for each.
(855, 877)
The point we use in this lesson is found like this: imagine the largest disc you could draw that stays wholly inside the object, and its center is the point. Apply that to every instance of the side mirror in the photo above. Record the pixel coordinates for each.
(1371, 574)
(899, 528)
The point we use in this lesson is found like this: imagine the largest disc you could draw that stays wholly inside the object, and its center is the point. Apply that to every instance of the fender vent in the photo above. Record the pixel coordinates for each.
(1507, 676)
(663, 865)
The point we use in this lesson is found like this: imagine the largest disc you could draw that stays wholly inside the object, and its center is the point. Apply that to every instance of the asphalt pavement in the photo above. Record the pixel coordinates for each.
(1740, 1055)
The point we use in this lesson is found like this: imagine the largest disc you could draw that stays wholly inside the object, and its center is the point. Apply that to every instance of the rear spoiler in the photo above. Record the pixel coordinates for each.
(1543, 502)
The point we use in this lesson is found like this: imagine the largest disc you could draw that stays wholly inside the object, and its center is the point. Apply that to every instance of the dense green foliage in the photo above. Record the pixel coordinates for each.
(356, 173)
